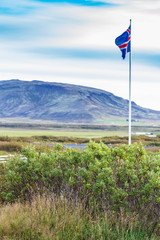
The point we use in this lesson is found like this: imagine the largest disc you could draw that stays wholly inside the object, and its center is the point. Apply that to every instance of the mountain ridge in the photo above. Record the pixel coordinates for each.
(66, 103)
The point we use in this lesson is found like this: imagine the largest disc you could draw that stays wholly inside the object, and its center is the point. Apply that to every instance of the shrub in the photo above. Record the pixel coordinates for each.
(123, 177)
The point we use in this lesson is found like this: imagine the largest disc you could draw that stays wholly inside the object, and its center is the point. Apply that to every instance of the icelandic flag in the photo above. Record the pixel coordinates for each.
(124, 42)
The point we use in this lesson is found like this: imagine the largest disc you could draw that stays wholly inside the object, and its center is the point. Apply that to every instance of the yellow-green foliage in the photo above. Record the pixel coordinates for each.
(124, 177)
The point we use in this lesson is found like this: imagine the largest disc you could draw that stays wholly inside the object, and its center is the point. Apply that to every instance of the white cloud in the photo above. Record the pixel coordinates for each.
(75, 26)
(48, 25)
(102, 74)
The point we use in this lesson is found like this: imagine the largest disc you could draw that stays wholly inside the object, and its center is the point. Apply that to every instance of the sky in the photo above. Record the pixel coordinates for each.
(71, 41)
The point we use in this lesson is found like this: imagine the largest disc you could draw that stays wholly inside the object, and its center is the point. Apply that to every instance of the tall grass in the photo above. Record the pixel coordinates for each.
(10, 146)
(54, 218)
(109, 140)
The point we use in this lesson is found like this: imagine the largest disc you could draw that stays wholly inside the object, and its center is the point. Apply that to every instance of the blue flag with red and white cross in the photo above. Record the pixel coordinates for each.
(124, 42)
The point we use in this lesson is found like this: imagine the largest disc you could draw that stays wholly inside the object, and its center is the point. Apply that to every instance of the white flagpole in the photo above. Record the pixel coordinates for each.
(129, 128)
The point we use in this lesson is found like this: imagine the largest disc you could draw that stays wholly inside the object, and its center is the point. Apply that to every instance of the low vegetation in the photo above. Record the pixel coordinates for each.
(110, 140)
(49, 218)
(96, 193)
(11, 146)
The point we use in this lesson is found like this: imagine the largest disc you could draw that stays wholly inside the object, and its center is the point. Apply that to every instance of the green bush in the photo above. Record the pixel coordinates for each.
(123, 177)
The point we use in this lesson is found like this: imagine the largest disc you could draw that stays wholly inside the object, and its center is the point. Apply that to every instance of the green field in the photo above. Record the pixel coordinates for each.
(112, 128)
(11, 132)
(74, 130)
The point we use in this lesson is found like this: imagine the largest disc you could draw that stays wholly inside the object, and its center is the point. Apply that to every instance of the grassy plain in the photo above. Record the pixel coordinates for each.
(82, 131)
(112, 127)
(11, 132)
(15, 135)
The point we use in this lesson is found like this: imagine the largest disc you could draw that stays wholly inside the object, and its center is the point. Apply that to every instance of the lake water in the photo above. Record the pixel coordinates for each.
(80, 146)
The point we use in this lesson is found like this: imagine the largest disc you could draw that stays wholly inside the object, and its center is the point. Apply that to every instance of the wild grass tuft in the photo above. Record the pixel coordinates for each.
(11, 146)
(47, 218)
